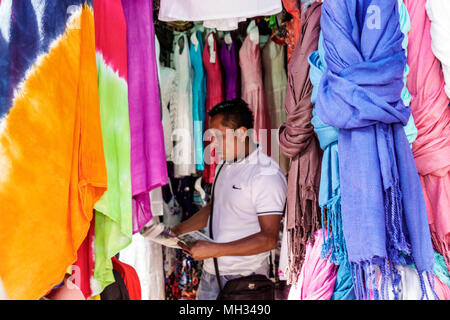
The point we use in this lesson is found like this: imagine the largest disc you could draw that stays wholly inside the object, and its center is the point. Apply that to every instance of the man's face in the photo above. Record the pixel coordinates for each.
(224, 140)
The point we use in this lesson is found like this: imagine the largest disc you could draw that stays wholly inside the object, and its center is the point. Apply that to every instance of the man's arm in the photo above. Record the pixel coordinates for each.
(197, 222)
(262, 241)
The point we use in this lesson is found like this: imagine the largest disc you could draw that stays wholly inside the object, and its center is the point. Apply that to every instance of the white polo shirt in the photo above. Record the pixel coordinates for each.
(245, 190)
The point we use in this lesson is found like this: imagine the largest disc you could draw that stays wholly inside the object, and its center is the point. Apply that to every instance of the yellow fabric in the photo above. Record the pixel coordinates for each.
(52, 162)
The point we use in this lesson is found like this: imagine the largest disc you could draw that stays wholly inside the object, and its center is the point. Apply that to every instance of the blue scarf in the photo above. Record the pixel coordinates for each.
(383, 210)
(330, 193)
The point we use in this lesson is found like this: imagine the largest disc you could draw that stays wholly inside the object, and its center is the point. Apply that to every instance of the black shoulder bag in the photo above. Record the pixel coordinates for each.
(253, 287)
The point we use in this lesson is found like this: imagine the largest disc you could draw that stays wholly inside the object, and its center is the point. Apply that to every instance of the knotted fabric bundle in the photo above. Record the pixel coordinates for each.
(383, 210)
(299, 142)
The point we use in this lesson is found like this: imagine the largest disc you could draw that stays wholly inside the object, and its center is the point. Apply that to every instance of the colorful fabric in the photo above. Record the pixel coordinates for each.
(405, 26)
(431, 113)
(198, 97)
(50, 140)
(183, 155)
(252, 87)
(147, 136)
(83, 268)
(275, 84)
(330, 193)
(113, 214)
(214, 95)
(318, 275)
(299, 142)
(438, 12)
(230, 62)
(386, 216)
(130, 278)
(440, 269)
(293, 26)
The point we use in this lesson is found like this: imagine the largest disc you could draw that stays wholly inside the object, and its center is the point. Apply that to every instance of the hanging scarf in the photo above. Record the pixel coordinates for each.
(383, 212)
(438, 11)
(430, 109)
(299, 142)
(330, 192)
(147, 136)
(329, 195)
(318, 276)
(113, 214)
(51, 152)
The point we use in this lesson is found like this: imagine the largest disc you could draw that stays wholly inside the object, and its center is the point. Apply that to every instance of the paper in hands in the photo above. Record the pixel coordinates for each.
(162, 234)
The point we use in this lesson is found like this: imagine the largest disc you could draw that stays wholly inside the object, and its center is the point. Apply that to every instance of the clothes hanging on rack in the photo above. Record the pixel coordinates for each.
(299, 142)
(130, 278)
(198, 96)
(229, 59)
(147, 136)
(293, 26)
(214, 95)
(182, 113)
(221, 15)
(113, 213)
(116, 290)
(166, 77)
(51, 91)
(145, 256)
(252, 88)
(275, 85)
(431, 113)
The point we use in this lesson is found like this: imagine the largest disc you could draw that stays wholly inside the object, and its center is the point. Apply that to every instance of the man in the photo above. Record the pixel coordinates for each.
(249, 199)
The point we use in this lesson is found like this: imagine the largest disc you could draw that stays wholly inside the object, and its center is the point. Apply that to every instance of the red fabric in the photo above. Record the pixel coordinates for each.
(130, 277)
(214, 95)
(294, 26)
(83, 269)
(114, 52)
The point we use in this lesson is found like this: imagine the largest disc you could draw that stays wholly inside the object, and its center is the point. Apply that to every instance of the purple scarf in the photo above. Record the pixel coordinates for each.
(148, 157)
(383, 210)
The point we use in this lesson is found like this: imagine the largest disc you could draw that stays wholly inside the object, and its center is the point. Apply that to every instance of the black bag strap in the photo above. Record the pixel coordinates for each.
(216, 266)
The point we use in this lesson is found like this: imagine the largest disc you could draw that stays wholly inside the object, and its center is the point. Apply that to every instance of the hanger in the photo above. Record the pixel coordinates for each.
(228, 39)
(194, 40)
(198, 187)
(181, 43)
(253, 32)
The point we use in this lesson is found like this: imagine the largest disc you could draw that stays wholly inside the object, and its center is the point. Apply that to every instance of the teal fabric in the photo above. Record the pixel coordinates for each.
(198, 100)
(405, 26)
(329, 193)
(440, 268)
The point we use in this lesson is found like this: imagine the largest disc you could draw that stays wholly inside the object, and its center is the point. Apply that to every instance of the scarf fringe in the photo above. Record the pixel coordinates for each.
(307, 222)
(333, 248)
(394, 222)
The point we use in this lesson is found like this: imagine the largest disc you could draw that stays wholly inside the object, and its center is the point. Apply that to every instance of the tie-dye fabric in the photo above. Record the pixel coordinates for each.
(51, 150)
(113, 215)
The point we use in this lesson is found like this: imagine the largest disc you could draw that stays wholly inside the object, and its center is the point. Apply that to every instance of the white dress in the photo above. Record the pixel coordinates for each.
(183, 155)
(219, 14)
(166, 77)
(439, 13)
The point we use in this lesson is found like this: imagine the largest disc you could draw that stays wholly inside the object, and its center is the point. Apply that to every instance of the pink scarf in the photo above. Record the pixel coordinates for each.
(431, 114)
(318, 276)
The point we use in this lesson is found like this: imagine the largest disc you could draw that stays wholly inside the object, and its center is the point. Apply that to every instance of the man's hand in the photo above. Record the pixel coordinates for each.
(201, 250)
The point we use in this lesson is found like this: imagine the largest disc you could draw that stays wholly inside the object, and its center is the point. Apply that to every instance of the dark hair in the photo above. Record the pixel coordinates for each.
(236, 113)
